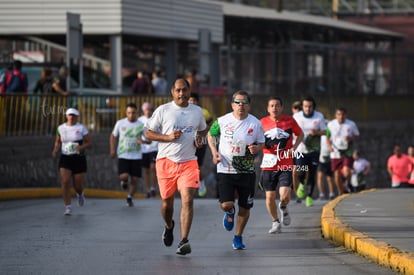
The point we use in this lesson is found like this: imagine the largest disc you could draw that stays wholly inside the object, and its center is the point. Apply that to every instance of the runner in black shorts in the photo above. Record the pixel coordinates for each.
(72, 138)
(131, 167)
(201, 151)
(240, 138)
(148, 164)
(270, 180)
(325, 168)
(149, 153)
(148, 158)
(128, 131)
(75, 163)
(277, 161)
(243, 184)
(325, 171)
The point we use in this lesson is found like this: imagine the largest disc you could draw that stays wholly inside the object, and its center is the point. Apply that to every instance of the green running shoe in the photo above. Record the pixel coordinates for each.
(300, 192)
(309, 201)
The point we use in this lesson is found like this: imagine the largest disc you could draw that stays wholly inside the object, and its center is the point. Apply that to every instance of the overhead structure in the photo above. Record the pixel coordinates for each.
(278, 27)
(170, 28)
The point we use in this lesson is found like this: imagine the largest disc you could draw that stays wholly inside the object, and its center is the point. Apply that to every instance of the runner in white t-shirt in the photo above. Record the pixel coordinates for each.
(360, 169)
(201, 152)
(313, 126)
(149, 153)
(128, 131)
(341, 134)
(296, 107)
(178, 126)
(240, 137)
(72, 138)
(324, 170)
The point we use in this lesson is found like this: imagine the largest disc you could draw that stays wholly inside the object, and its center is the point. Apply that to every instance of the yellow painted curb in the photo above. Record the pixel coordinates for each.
(379, 252)
(31, 193)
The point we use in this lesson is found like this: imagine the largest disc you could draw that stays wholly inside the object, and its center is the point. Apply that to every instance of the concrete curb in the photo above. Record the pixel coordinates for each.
(379, 252)
(31, 193)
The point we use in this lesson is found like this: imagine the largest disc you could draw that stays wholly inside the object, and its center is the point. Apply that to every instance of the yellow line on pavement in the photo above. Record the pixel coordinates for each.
(379, 252)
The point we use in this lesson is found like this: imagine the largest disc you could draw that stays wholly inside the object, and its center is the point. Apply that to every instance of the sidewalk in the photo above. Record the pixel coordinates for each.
(377, 224)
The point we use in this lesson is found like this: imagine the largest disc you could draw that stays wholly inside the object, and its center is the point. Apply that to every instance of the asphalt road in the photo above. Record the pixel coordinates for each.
(106, 237)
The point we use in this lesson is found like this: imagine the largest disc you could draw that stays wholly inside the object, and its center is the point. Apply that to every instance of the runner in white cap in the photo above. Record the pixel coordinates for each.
(72, 138)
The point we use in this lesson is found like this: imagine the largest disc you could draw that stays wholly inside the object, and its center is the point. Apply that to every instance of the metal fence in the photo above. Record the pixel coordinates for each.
(319, 69)
(25, 115)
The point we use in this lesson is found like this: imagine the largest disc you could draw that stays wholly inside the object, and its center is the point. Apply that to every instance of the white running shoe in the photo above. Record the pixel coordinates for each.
(68, 211)
(284, 214)
(276, 228)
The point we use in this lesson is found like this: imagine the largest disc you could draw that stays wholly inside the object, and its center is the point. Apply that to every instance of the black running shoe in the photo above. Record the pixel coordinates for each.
(184, 247)
(129, 202)
(167, 235)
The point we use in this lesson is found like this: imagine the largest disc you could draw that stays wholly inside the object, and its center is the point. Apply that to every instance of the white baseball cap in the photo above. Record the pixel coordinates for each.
(72, 111)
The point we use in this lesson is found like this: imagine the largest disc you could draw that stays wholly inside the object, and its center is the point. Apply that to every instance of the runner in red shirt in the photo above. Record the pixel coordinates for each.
(277, 163)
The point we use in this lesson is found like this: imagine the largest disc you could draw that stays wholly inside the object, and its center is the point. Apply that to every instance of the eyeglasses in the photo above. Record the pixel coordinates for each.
(242, 101)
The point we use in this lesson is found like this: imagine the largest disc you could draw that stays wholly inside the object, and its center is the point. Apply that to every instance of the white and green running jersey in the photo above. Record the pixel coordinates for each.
(71, 136)
(234, 136)
(129, 133)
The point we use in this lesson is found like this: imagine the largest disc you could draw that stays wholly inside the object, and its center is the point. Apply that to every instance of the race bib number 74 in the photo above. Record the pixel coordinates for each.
(238, 149)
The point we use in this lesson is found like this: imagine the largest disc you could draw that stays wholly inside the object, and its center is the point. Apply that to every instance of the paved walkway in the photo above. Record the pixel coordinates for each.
(378, 224)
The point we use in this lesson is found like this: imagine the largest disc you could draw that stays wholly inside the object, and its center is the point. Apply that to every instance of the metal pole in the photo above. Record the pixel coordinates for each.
(80, 58)
(335, 4)
(116, 62)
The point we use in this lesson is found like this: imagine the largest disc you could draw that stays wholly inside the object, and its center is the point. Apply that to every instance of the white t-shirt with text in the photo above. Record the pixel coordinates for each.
(169, 117)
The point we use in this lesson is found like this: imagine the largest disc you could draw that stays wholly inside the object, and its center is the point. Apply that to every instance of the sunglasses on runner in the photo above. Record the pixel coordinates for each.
(243, 101)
